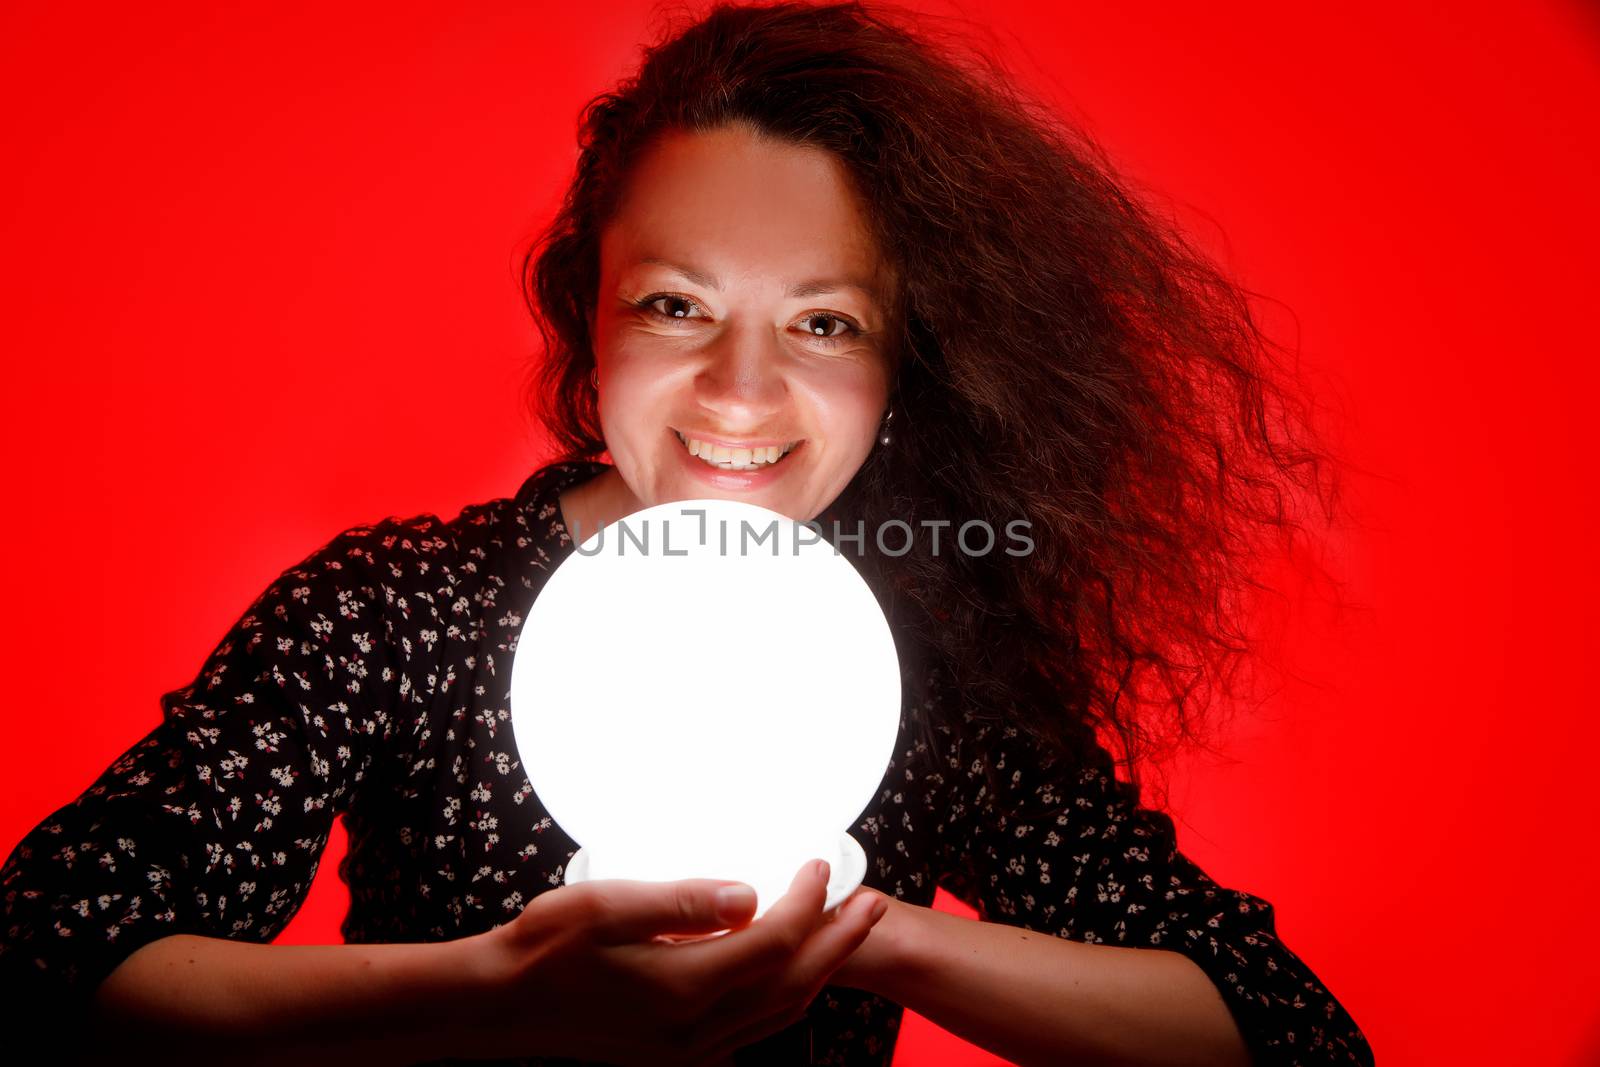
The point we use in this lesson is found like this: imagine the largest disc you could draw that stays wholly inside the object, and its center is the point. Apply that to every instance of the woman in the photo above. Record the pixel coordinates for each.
(813, 260)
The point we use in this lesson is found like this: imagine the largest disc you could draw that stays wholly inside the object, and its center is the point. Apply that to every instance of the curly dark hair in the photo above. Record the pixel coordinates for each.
(1062, 356)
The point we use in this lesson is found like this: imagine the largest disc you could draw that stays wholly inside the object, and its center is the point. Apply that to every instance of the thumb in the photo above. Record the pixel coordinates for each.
(630, 911)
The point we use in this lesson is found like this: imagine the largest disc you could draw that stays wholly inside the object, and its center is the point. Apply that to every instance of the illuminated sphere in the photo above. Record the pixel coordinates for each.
(707, 689)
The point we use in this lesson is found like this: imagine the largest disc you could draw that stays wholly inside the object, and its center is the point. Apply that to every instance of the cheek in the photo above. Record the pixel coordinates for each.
(847, 401)
(635, 389)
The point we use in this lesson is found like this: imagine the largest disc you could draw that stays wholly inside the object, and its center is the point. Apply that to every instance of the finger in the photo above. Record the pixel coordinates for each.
(764, 944)
(822, 954)
(624, 911)
(832, 914)
(756, 1010)
(834, 943)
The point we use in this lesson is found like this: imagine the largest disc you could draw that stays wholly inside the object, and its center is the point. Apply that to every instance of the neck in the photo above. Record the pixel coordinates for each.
(600, 501)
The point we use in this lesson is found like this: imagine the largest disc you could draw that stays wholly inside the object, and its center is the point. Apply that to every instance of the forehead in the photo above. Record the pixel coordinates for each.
(743, 207)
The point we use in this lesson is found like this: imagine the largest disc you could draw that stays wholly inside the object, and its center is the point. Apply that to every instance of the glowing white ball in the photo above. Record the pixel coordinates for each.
(707, 689)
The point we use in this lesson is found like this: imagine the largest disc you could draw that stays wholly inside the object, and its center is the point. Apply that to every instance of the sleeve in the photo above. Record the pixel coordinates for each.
(214, 822)
(1074, 854)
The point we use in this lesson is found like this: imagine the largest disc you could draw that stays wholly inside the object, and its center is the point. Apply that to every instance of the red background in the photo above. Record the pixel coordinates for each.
(258, 286)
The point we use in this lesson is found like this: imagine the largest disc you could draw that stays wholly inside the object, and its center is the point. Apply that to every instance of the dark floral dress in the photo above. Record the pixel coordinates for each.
(371, 681)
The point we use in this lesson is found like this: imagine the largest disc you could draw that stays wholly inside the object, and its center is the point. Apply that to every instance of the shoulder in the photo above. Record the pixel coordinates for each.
(426, 550)
(371, 560)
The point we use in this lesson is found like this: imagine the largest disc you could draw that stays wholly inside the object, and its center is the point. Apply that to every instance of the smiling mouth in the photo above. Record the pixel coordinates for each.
(735, 459)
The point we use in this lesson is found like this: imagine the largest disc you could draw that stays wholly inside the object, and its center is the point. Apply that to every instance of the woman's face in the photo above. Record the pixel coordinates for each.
(742, 305)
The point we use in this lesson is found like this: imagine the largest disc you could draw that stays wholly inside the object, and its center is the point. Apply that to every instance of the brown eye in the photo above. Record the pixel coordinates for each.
(819, 326)
(827, 322)
(677, 307)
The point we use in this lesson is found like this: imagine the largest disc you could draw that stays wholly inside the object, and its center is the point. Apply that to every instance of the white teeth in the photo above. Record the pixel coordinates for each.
(735, 459)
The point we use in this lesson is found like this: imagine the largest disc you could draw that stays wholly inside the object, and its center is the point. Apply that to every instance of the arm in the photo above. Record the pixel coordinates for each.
(1041, 1000)
(214, 823)
(1072, 855)
(183, 999)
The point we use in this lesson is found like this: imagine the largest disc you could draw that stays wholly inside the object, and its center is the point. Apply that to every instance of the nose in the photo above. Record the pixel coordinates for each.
(741, 388)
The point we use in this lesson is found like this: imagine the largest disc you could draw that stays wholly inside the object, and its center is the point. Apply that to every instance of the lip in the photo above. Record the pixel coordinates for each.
(735, 480)
(728, 442)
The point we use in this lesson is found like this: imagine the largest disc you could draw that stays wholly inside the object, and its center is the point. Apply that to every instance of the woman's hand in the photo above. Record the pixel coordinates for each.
(872, 966)
(584, 971)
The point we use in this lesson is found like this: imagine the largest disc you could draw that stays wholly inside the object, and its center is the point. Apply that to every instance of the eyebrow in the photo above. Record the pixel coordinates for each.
(810, 287)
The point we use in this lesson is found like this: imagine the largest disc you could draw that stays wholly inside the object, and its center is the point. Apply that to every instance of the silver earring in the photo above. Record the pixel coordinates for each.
(883, 434)
(594, 378)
